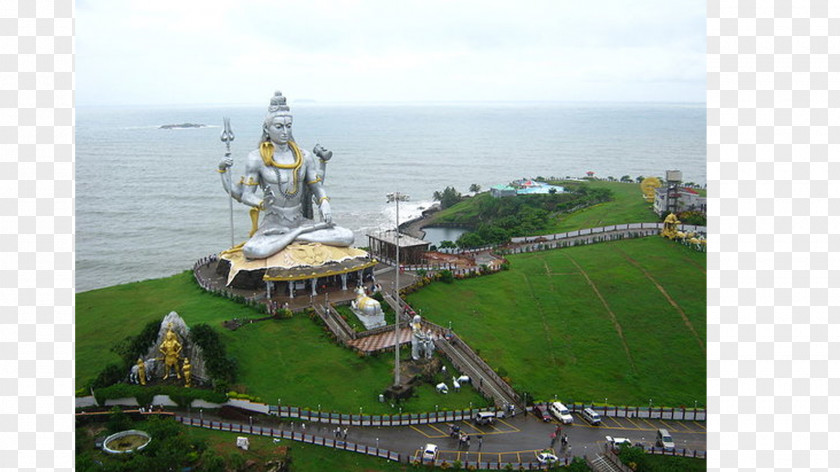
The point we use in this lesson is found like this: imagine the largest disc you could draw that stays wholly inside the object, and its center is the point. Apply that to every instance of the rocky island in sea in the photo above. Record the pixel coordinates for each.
(183, 125)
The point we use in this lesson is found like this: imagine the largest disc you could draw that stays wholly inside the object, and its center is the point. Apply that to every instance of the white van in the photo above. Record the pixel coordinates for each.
(560, 412)
(663, 439)
(591, 416)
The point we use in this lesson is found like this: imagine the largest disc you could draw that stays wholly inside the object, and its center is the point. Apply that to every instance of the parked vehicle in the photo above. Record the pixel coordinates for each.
(430, 452)
(541, 411)
(615, 443)
(546, 457)
(560, 412)
(664, 440)
(484, 417)
(591, 416)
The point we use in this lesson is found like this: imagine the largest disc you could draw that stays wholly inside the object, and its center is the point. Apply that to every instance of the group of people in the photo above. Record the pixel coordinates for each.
(462, 437)
(339, 433)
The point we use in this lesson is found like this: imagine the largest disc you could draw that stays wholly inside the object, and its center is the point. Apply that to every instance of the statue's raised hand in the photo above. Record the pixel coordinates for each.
(326, 212)
(225, 163)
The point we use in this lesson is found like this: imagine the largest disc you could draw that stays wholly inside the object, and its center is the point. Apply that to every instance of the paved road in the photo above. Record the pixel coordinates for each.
(513, 439)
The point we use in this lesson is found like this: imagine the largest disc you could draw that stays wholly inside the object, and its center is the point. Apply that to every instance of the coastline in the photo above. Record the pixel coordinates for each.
(414, 227)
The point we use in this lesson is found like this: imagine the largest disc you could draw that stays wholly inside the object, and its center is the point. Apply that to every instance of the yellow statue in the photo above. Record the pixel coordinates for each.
(186, 368)
(669, 228)
(141, 371)
(649, 186)
(171, 350)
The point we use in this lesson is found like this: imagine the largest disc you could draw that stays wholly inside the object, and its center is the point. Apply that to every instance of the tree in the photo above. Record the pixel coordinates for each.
(446, 244)
(448, 197)
(626, 178)
(118, 421)
(475, 188)
(132, 347)
(639, 179)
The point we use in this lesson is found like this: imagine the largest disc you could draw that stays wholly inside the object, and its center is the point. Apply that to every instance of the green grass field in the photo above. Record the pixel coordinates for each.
(305, 457)
(292, 360)
(627, 206)
(623, 321)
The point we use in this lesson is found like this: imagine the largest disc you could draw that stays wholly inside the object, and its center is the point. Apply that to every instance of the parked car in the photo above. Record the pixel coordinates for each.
(484, 417)
(541, 411)
(591, 416)
(615, 443)
(546, 457)
(664, 440)
(430, 452)
(560, 411)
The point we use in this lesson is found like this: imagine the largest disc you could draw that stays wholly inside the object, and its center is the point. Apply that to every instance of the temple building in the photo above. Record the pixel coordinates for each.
(382, 245)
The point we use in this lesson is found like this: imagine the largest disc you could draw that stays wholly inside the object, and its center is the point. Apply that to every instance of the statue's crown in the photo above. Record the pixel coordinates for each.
(278, 103)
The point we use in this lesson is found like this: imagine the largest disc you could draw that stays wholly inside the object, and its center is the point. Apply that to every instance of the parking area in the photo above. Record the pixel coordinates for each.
(643, 424)
(481, 456)
(519, 439)
(441, 430)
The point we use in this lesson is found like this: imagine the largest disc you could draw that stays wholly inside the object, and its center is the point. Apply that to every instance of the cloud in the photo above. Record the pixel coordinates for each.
(190, 51)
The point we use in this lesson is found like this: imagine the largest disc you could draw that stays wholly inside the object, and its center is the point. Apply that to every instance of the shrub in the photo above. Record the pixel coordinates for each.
(118, 421)
(144, 394)
(446, 276)
(110, 375)
(219, 366)
(133, 347)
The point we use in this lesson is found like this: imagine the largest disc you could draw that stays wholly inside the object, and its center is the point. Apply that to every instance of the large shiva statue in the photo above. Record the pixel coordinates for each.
(289, 179)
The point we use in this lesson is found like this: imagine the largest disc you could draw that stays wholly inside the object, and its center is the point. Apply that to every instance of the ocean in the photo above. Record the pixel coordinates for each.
(149, 201)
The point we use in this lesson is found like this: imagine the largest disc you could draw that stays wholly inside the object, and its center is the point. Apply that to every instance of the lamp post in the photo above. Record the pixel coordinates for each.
(377, 444)
(397, 197)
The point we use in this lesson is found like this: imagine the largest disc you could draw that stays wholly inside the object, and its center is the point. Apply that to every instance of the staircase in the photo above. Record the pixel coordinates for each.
(602, 464)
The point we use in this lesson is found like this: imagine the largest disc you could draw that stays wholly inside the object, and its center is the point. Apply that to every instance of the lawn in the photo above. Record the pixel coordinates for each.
(291, 360)
(621, 322)
(627, 206)
(305, 457)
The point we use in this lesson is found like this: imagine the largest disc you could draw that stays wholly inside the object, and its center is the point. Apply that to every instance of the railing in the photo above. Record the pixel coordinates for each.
(402, 419)
(205, 284)
(610, 454)
(472, 465)
(455, 343)
(662, 413)
(336, 323)
(291, 435)
(448, 342)
(604, 229)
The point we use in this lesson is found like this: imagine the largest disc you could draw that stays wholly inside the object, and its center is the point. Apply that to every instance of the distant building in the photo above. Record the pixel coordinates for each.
(679, 199)
(383, 245)
(524, 187)
(499, 191)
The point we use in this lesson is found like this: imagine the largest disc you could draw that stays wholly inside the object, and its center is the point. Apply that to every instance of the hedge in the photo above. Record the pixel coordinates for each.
(144, 394)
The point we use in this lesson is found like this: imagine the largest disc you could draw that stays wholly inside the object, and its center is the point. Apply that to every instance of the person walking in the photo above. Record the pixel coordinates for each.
(345, 434)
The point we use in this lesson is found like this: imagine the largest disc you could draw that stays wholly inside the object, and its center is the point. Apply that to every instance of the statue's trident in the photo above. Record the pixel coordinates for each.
(226, 137)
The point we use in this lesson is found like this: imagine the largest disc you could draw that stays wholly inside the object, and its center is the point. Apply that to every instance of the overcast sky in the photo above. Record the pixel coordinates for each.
(228, 52)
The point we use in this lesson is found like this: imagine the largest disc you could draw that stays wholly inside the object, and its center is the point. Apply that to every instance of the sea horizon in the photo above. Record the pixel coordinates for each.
(149, 201)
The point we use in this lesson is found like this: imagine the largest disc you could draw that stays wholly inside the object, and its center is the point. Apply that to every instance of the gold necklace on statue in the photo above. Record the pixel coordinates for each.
(267, 154)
